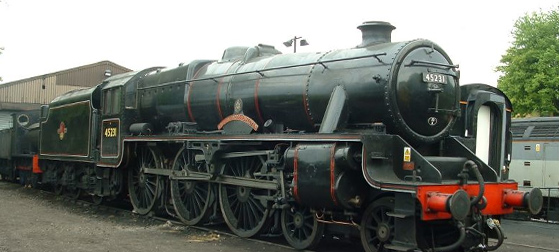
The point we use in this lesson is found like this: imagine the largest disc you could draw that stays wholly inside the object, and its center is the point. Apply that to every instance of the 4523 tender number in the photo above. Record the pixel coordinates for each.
(110, 132)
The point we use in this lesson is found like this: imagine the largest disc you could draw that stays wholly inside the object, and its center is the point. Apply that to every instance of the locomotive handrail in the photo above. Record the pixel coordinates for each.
(260, 72)
(421, 62)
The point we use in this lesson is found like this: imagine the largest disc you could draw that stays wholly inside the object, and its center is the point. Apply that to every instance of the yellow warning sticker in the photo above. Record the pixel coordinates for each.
(407, 154)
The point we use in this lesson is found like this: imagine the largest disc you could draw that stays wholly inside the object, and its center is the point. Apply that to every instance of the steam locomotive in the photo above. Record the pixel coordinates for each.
(378, 142)
(18, 145)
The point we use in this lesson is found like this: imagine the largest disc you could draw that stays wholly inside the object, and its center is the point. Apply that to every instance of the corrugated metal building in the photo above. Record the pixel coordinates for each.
(5, 119)
(31, 93)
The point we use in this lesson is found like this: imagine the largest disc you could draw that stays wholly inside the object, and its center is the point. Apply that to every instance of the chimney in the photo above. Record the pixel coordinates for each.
(375, 32)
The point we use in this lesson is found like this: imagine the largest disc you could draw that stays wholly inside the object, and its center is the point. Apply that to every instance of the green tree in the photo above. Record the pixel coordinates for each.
(530, 67)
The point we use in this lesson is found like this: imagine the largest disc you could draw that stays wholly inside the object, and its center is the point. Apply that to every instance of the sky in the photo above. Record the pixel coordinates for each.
(41, 37)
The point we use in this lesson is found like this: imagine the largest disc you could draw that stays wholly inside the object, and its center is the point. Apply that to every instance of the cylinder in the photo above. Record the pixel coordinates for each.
(323, 177)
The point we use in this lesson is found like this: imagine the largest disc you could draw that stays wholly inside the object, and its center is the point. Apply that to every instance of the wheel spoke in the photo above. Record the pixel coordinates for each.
(377, 226)
(183, 162)
(201, 190)
(242, 217)
(150, 188)
(255, 205)
(372, 228)
(197, 202)
(383, 214)
(306, 233)
(376, 219)
(300, 228)
(252, 213)
(251, 220)
(309, 225)
(143, 188)
(191, 199)
(243, 213)
(290, 224)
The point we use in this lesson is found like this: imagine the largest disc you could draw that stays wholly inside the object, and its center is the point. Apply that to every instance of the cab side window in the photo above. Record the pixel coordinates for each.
(112, 100)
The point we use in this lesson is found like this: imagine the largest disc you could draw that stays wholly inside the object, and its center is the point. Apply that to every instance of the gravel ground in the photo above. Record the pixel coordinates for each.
(31, 220)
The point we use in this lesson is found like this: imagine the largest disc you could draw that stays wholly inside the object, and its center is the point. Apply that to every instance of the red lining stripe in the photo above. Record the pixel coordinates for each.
(332, 174)
(217, 100)
(190, 114)
(218, 104)
(256, 104)
(295, 175)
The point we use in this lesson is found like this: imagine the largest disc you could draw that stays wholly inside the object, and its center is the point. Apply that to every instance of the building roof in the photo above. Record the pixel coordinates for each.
(30, 93)
(64, 78)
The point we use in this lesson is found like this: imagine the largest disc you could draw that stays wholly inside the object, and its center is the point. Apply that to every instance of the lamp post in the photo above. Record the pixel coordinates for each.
(293, 41)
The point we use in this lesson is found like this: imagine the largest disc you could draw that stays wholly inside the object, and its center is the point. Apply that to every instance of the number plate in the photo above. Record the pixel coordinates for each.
(434, 78)
(110, 132)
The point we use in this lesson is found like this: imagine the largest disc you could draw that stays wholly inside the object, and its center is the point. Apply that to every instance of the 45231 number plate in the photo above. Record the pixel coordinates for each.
(435, 78)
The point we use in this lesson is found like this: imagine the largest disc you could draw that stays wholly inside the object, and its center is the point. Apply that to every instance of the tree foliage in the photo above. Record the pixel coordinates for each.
(530, 66)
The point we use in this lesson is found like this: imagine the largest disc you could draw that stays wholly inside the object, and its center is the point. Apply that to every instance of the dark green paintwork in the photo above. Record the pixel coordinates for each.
(75, 110)
(110, 138)
(77, 96)
(75, 141)
(114, 126)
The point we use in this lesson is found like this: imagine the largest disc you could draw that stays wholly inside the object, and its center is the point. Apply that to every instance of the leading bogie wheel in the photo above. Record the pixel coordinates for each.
(300, 227)
(243, 208)
(191, 199)
(377, 227)
(144, 188)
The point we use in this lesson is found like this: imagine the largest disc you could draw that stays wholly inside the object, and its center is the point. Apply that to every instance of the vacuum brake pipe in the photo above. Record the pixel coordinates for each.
(479, 178)
(458, 242)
